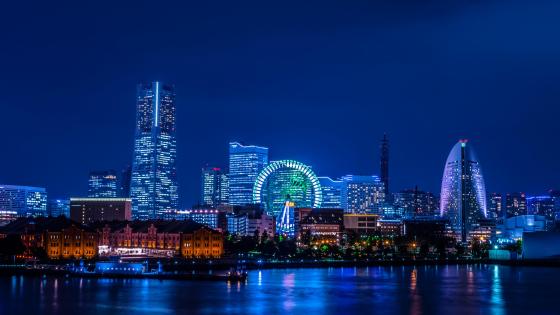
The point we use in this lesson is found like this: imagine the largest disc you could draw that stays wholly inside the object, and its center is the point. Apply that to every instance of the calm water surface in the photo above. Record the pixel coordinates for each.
(374, 290)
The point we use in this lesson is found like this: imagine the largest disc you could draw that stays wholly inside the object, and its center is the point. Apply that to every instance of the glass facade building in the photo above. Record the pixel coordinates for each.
(103, 184)
(24, 200)
(362, 194)
(245, 164)
(153, 186)
(541, 205)
(516, 204)
(416, 203)
(494, 205)
(463, 193)
(214, 187)
(58, 207)
(332, 192)
(237, 224)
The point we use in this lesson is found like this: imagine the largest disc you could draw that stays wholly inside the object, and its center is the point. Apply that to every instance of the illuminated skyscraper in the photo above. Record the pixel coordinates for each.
(214, 187)
(463, 195)
(416, 203)
(102, 184)
(24, 200)
(332, 192)
(362, 194)
(245, 164)
(153, 186)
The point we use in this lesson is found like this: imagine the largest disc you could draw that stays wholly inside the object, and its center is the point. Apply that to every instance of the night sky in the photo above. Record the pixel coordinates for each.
(318, 82)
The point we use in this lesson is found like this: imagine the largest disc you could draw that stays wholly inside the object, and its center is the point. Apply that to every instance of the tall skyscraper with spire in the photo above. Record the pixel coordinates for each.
(384, 161)
(153, 186)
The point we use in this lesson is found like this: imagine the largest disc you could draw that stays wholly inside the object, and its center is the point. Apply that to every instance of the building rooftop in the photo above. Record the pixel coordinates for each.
(40, 225)
(162, 226)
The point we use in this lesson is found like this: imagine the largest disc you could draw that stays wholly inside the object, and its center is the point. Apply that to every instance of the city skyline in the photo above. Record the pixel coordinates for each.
(261, 157)
(279, 97)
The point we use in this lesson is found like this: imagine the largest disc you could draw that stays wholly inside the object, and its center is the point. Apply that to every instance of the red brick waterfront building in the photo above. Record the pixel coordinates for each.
(59, 237)
(185, 238)
(62, 238)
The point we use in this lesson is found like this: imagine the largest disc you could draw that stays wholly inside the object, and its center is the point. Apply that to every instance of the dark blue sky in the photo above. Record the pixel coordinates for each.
(315, 81)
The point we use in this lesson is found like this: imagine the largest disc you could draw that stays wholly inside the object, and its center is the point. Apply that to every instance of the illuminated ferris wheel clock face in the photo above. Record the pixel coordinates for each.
(287, 180)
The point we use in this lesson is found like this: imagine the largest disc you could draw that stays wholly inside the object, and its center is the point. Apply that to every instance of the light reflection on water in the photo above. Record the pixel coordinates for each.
(476, 289)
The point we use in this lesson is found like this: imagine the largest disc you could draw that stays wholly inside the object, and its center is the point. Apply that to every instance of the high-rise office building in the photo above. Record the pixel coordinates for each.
(153, 187)
(24, 200)
(463, 194)
(332, 192)
(124, 182)
(494, 204)
(245, 164)
(362, 194)
(103, 184)
(58, 206)
(416, 203)
(541, 205)
(384, 167)
(516, 204)
(214, 187)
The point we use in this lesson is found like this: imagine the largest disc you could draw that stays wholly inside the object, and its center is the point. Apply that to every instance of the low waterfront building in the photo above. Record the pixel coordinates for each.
(261, 223)
(7, 216)
(159, 238)
(427, 228)
(361, 223)
(324, 225)
(514, 227)
(60, 237)
(483, 231)
(389, 227)
(90, 210)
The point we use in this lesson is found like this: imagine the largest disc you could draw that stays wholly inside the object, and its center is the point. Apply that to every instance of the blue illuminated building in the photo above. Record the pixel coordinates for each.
(245, 164)
(514, 227)
(541, 205)
(362, 194)
(237, 224)
(215, 219)
(59, 206)
(153, 187)
(103, 184)
(463, 193)
(214, 190)
(332, 192)
(24, 200)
